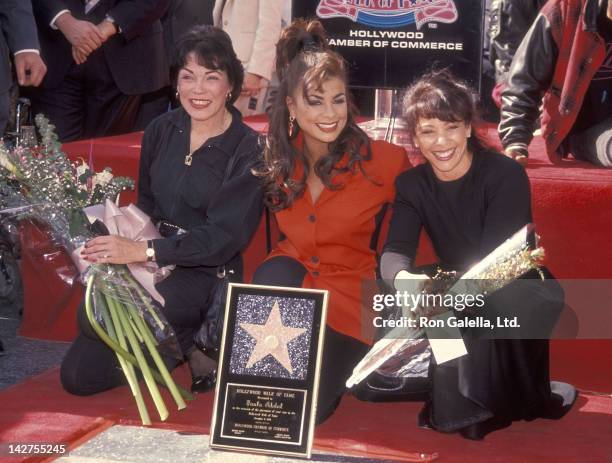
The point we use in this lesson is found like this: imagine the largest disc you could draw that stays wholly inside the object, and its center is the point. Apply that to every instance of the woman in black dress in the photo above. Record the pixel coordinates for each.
(196, 184)
(469, 200)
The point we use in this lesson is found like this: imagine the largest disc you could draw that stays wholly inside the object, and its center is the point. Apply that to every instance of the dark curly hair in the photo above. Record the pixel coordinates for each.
(304, 62)
(212, 49)
(440, 95)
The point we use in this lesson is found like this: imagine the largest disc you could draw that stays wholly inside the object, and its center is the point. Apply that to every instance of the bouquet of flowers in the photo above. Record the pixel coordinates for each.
(403, 349)
(40, 183)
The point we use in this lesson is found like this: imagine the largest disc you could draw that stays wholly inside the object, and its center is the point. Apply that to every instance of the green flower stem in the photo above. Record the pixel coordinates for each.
(124, 353)
(144, 367)
(134, 327)
(127, 294)
(142, 330)
(128, 369)
(148, 339)
(143, 297)
(124, 296)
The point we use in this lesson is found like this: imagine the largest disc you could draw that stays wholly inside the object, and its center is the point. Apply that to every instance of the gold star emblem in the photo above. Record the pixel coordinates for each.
(272, 338)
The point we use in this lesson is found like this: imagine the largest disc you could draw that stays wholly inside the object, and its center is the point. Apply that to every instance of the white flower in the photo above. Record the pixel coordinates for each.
(82, 169)
(103, 178)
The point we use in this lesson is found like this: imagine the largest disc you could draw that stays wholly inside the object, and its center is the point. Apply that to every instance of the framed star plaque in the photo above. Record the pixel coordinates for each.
(268, 378)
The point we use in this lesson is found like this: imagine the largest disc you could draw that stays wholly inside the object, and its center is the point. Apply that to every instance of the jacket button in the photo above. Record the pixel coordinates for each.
(314, 259)
(312, 218)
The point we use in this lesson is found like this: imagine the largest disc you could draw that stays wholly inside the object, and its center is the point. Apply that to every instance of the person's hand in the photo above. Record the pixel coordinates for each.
(517, 156)
(252, 84)
(81, 34)
(410, 282)
(78, 55)
(30, 69)
(107, 29)
(113, 249)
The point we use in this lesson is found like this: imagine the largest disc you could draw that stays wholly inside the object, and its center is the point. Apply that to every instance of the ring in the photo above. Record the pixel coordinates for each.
(105, 256)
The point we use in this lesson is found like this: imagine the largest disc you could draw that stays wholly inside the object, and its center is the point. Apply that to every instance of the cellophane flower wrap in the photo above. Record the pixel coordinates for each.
(404, 351)
(41, 185)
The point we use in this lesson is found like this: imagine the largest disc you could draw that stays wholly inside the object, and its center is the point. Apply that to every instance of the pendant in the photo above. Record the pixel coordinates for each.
(188, 159)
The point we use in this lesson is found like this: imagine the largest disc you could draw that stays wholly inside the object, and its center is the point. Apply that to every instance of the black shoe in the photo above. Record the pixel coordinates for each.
(204, 383)
(478, 431)
(563, 397)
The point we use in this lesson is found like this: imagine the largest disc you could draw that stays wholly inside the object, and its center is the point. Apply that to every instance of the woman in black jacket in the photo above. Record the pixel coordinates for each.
(196, 184)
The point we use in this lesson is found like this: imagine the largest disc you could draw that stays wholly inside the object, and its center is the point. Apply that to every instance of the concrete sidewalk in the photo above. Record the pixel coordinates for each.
(134, 444)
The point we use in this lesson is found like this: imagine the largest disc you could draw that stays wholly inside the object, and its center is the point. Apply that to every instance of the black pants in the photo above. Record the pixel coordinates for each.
(340, 352)
(88, 103)
(90, 366)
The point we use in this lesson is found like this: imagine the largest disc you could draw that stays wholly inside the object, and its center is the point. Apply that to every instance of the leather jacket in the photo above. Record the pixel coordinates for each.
(509, 21)
(552, 67)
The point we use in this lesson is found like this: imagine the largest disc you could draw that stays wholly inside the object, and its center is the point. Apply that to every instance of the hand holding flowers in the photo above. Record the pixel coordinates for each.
(113, 249)
(40, 183)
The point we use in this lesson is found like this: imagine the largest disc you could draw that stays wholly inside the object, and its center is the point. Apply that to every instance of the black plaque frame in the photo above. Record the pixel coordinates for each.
(299, 395)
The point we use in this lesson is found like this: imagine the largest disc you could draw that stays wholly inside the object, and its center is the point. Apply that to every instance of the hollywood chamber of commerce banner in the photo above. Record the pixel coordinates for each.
(389, 43)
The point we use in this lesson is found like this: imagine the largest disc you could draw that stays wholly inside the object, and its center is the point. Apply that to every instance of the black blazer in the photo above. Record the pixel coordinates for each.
(135, 56)
(17, 32)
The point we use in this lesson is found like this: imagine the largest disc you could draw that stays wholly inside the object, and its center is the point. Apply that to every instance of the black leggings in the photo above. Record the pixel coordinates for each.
(90, 366)
(340, 353)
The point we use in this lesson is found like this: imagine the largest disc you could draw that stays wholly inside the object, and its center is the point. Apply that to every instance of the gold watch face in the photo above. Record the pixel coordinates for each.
(150, 252)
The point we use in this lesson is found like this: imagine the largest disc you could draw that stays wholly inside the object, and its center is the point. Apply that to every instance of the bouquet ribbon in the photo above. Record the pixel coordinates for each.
(129, 222)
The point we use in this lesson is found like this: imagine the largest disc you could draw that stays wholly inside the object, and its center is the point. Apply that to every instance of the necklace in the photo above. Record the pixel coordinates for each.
(224, 126)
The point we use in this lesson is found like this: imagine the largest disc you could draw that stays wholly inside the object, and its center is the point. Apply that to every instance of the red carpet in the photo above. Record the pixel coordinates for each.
(40, 411)
(573, 214)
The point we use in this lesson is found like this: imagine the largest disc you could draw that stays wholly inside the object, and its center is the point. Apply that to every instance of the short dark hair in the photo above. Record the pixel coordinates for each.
(440, 95)
(213, 49)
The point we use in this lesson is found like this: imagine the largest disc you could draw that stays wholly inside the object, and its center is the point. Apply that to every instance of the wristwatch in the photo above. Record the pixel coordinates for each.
(111, 20)
(150, 252)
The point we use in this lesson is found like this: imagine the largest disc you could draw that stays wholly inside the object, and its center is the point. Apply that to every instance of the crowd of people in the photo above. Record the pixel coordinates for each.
(205, 177)
(105, 67)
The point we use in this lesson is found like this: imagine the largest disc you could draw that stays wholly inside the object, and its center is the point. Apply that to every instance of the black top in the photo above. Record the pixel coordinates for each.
(466, 218)
(220, 217)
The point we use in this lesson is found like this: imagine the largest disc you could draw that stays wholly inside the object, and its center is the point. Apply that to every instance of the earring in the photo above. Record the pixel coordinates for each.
(177, 95)
(291, 126)
(228, 96)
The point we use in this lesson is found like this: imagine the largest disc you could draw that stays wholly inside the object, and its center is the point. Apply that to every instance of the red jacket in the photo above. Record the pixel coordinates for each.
(558, 58)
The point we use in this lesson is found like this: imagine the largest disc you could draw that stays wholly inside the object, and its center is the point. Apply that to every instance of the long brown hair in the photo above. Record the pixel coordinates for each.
(304, 62)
